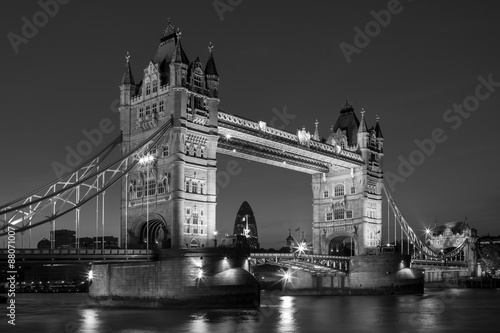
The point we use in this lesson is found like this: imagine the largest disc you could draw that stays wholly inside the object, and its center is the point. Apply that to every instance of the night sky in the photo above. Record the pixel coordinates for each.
(271, 56)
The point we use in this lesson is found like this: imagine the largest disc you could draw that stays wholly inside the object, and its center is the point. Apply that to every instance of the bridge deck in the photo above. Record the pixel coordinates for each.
(33, 255)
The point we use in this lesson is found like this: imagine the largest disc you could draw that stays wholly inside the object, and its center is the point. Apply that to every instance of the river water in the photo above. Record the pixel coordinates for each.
(449, 310)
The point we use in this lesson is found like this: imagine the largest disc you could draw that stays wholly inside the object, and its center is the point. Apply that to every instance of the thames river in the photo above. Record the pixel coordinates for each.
(450, 310)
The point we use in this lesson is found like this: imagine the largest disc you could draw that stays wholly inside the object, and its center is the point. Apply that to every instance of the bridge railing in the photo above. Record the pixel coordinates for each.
(302, 256)
(80, 252)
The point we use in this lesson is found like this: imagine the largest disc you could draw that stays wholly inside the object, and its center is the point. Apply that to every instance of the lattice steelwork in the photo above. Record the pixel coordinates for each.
(76, 188)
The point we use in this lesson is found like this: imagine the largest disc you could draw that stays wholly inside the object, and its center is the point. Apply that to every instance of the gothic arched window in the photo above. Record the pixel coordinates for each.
(339, 190)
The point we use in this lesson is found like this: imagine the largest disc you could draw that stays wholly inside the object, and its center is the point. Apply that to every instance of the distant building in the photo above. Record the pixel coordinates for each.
(245, 225)
(110, 242)
(63, 239)
(448, 236)
(43, 244)
(485, 240)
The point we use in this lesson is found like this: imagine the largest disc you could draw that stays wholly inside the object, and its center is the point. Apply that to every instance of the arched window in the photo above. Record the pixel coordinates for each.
(187, 186)
(202, 152)
(202, 190)
(339, 213)
(194, 243)
(194, 187)
(197, 81)
(191, 150)
(339, 190)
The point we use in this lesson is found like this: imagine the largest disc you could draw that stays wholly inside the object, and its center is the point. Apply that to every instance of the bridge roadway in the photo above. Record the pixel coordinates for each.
(78, 255)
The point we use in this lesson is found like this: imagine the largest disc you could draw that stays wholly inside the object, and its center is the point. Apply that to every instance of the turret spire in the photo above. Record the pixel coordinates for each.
(128, 78)
(210, 68)
(362, 125)
(316, 131)
(378, 131)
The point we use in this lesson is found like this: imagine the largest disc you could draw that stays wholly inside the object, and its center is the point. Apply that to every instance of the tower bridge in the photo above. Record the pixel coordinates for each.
(172, 132)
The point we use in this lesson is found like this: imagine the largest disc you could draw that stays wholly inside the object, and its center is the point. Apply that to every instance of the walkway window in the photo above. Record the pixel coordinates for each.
(339, 213)
(339, 190)
(329, 216)
(326, 194)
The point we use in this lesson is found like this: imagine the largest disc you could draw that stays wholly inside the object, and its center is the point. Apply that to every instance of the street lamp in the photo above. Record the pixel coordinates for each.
(147, 160)
(215, 238)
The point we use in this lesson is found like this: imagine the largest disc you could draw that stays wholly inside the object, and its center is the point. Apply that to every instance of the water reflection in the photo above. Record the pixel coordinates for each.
(90, 320)
(286, 319)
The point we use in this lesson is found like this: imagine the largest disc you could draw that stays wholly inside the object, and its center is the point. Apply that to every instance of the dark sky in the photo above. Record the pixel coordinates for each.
(270, 55)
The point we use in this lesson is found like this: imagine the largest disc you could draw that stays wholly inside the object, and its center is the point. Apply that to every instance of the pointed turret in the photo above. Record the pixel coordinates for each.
(210, 68)
(128, 78)
(316, 131)
(127, 85)
(179, 54)
(362, 125)
(211, 75)
(178, 63)
(378, 131)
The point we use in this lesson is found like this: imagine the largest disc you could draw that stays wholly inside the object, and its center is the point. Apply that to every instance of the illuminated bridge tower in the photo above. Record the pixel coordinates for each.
(347, 203)
(177, 189)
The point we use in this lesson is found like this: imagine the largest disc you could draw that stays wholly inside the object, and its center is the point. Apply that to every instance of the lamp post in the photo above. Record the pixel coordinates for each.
(215, 238)
(147, 160)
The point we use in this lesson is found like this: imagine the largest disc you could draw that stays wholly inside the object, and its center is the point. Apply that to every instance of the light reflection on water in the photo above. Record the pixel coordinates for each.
(464, 310)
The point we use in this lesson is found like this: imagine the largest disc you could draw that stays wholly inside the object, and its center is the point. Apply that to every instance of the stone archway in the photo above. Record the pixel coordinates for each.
(155, 232)
(341, 245)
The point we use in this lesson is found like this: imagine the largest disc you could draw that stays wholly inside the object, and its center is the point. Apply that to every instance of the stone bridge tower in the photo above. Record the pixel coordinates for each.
(347, 204)
(177, 190)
